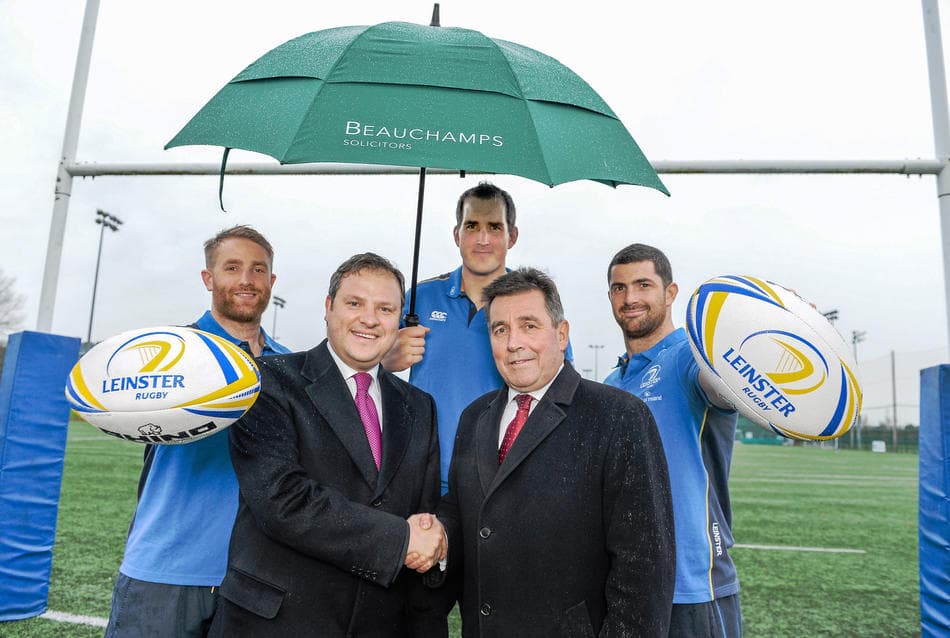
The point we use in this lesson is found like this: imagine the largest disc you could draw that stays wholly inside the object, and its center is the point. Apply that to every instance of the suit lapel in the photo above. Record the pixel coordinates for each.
(397, 428)
(333, 401)
(545, 418)
(486, 439)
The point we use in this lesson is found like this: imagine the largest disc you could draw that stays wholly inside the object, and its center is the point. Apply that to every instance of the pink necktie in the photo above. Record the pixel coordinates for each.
(524, 403)
(368, 414)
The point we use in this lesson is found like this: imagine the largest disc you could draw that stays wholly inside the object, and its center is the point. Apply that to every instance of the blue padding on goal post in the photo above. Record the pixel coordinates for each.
(934, 501)
(34, 417)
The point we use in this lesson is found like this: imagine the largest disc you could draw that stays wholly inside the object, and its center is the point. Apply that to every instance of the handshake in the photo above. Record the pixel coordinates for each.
(427, 542)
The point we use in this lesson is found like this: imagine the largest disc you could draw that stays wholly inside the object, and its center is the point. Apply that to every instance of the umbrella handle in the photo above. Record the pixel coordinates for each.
(224, 165)
(411, 318)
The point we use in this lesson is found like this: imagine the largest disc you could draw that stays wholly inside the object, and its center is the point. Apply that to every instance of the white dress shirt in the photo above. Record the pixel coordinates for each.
(373, 390)
(511, 408)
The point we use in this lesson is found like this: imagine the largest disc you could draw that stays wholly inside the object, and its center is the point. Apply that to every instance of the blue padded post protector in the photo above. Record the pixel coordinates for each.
(934, 501)
(34, 417)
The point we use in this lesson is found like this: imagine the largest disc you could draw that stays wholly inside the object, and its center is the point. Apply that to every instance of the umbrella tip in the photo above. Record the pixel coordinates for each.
(435, 16)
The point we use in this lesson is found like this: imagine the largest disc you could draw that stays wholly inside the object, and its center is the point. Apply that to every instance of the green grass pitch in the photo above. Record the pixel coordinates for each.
(781, 496)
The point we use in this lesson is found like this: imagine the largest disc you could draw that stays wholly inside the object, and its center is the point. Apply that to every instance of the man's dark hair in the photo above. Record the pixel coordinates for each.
(525, 279)
(487, 190)
(237, 232)
(641, 252)
(366, 261)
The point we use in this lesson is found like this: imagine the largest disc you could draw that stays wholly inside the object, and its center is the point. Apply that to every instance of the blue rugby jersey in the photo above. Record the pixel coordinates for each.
(187, 506)
(458, 366)
(697, 439)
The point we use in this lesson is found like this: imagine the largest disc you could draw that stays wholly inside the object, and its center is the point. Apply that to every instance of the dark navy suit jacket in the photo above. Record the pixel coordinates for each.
(320, 537)
(573, 534)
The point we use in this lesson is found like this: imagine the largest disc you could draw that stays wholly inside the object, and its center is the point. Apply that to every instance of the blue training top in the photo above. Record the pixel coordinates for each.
(458, 366)
(697, 439)
(187, 506)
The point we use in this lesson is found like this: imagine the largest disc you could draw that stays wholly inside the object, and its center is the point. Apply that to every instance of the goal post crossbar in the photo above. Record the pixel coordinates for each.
(668, 167)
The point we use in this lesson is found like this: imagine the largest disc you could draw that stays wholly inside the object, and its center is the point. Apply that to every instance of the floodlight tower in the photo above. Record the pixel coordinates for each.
(279, 302)
(832, 317)
(857, 336)
(105, 220)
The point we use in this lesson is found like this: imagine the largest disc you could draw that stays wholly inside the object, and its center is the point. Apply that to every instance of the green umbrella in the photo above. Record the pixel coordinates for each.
(428, 96)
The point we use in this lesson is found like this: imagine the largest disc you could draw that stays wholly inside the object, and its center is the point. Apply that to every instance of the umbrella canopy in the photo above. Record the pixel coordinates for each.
(410, 95)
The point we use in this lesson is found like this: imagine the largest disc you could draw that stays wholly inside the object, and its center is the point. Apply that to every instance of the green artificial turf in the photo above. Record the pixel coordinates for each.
(781, 495)
(811, 497)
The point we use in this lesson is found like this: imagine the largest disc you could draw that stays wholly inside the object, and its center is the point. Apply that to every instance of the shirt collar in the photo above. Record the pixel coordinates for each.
(538, 394)
(346, 370)
(455, 282)
(651, 353)
(269, 344)
(208, 323)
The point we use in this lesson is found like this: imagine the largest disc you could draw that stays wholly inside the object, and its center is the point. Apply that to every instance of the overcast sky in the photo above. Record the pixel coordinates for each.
(691, 80)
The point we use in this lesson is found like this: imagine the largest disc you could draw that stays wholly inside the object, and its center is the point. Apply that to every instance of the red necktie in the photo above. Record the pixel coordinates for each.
(524, 403)
(368, 414)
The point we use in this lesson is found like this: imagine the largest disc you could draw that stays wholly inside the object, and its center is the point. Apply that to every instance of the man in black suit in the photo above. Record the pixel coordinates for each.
(327, 482)
(558, 510)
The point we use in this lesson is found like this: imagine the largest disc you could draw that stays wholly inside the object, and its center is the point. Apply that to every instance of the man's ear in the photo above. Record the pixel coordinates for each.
(671, 291)
(512, 236)
(207, 278)
(563, 335)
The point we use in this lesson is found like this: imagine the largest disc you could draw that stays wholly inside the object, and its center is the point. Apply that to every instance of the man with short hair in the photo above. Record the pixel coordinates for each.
(558, 511)
(335, 460)
(177, 548)
(697, 434)
(449, 351)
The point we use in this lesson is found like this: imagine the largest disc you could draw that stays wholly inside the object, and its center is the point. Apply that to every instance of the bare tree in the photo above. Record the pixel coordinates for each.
(11, 304)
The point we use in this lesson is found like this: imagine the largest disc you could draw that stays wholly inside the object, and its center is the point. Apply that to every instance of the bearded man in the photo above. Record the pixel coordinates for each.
(697, 434)
(177, 550)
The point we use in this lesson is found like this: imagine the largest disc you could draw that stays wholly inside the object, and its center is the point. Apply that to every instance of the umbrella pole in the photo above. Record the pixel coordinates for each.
(411, 318)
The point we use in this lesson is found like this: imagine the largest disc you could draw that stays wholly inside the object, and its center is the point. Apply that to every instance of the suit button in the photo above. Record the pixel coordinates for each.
(378, 502)
(485, 610)
(484, 532)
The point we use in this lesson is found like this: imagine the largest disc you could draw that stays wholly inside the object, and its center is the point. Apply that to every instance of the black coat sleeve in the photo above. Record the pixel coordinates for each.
(638, 509)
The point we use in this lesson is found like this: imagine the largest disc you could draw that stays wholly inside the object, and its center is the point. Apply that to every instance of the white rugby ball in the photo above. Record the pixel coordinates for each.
(774, 357)
(164, 385)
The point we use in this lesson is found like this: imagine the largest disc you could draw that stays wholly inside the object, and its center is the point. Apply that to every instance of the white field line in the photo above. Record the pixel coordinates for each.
(815, 481)
(95, 621)
(836, 477)
(91, 621)
(791, 548)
